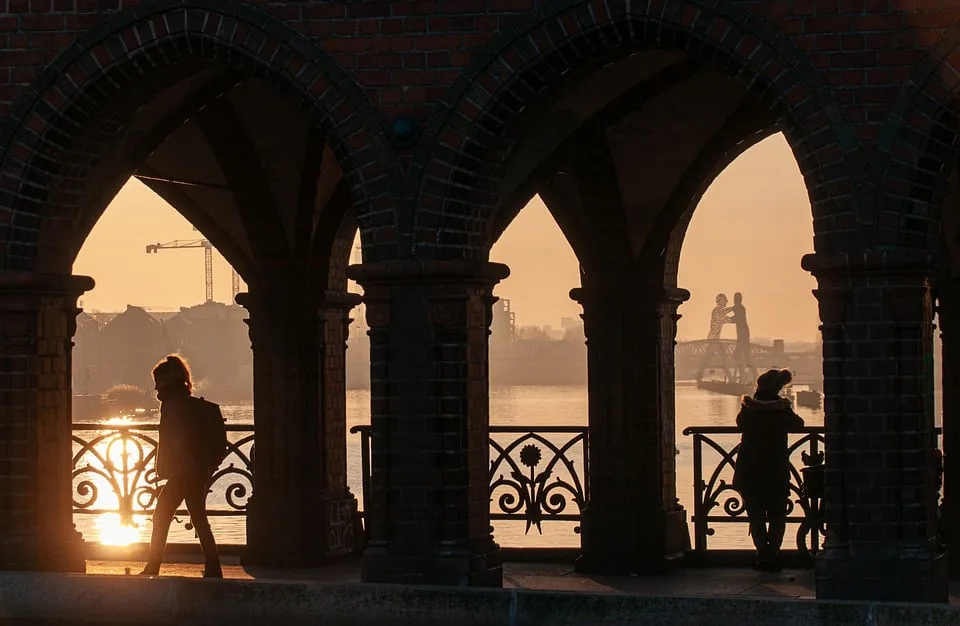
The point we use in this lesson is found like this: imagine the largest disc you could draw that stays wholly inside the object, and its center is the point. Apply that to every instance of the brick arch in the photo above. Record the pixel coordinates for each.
(919, 149)
(152, 47)
(518, 74)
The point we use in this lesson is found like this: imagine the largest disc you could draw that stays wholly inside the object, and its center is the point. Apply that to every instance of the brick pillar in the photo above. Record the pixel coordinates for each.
(880, 505)
(301, 512)
(633, 522)
(37, 322)
(429, 517)
(948, 315)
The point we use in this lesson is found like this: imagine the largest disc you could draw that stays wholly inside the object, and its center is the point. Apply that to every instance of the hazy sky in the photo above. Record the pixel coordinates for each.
(747, 235)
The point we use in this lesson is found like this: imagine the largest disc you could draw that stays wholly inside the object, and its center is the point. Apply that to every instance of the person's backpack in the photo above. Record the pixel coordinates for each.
(211, 432)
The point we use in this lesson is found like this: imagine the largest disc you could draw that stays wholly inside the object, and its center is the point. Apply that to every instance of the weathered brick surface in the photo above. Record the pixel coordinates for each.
(37, 322)
(864, 90)
(429, 520)
(856, 83)
(877, 313)
(633, 523)
(300, 485)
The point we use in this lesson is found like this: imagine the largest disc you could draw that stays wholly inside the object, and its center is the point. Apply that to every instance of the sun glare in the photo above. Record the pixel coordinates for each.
(113, 532)
(118, 421)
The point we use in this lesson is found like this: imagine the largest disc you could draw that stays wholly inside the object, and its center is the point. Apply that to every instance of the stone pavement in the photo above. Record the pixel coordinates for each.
(535, 595)
(534, 576)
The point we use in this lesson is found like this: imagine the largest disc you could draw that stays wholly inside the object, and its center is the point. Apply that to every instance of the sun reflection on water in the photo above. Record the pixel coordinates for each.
(114, 532)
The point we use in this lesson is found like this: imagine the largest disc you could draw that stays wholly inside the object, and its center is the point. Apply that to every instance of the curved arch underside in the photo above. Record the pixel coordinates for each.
(545, 86)
(184, 109)
(623, 184)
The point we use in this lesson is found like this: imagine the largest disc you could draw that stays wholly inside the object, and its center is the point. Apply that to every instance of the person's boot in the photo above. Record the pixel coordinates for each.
(212, 570)
(772, 561)
(150, 570)
(758, 532)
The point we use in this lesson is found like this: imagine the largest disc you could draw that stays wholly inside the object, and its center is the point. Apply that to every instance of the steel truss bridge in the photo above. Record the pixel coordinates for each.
(727, 347)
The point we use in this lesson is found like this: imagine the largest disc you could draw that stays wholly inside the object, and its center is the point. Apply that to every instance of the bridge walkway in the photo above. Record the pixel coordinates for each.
(742, 582)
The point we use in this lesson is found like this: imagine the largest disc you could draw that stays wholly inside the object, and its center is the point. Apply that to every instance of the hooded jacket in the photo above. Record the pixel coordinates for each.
(763, 462)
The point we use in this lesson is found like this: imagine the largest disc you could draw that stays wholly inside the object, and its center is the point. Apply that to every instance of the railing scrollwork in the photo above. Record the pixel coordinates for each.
(717, 502)
(536, 475)
(114, 471)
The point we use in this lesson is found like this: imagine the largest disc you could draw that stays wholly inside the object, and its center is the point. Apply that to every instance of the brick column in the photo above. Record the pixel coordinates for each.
(429, 517)
(301, 512)
(948, 315)
(37, 322)
(633, 522)
(880, 505)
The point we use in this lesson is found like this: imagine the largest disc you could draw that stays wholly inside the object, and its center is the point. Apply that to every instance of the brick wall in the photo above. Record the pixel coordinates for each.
(860, 84)
(864, 91)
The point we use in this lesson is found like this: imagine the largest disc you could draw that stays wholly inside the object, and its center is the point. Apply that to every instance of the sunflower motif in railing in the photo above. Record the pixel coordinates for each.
(527, 487)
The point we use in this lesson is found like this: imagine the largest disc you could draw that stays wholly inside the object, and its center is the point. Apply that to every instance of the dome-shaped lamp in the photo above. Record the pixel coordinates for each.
(403, 131)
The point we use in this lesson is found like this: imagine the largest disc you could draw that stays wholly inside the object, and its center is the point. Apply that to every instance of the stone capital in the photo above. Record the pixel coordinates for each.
(292, 304)
(413, 272)
(840, 267)
(23, 290)
(657, 297)
(340, 300)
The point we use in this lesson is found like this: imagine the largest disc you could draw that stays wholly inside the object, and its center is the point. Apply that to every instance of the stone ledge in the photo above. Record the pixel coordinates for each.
(32, 598)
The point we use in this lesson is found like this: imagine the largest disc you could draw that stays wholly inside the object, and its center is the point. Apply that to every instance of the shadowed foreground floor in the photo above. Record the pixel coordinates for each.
(534, 595)
(545, 577)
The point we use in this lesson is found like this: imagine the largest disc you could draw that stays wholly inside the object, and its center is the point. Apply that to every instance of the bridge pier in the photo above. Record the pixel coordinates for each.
(633, 523)
(301, 512)
(429, 516)
(881, 496)
(37, 322)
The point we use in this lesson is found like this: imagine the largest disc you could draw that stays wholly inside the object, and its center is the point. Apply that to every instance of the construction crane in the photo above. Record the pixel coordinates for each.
(181, 244)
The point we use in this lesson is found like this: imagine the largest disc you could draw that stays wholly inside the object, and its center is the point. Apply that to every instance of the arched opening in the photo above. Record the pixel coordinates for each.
(538, 378)
(624, 185)
(177, 300)
(747, 234)
(620, 127)
(185, 114)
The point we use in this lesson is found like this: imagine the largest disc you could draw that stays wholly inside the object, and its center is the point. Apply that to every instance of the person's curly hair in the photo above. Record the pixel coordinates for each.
(774, 380)
(173, 370)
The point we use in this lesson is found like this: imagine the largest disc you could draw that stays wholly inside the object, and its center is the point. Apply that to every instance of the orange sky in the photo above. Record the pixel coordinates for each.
(747, 235)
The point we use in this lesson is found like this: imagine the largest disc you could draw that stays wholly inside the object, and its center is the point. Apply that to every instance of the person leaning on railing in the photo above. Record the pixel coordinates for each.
(762, 474)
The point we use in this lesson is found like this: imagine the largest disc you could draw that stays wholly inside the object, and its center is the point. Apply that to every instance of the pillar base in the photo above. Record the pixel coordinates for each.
(27, 552)
(629, 541)
(297, 529)
(893, 579)
(454, 570)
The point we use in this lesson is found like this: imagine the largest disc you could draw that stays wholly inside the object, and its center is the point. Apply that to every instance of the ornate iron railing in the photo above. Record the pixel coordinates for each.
(717, 502)
(536, 475)
(113, 471)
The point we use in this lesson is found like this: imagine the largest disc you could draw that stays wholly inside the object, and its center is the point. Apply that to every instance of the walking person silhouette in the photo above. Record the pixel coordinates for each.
(192, 445)
(762, 474)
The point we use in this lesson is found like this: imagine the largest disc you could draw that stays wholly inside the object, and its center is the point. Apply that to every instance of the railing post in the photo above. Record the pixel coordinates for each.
(365, 469)
(815, 529)
(699, 515)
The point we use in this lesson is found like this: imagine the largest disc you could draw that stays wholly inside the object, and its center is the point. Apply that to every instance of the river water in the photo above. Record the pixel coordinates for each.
(535, 407)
